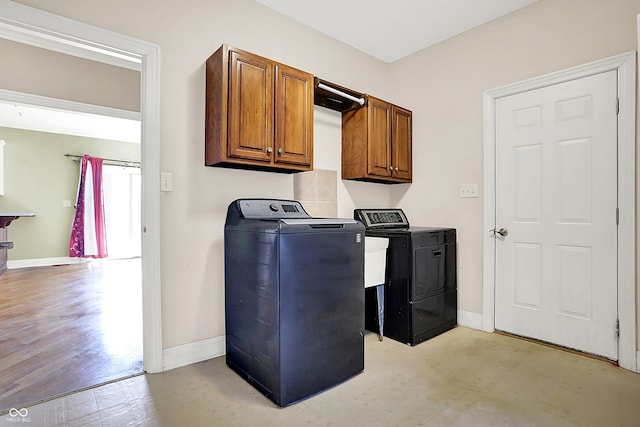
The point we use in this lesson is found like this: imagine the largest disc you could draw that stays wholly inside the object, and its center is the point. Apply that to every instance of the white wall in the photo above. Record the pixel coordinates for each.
(443, 86)
(47, 73)
(193, 214)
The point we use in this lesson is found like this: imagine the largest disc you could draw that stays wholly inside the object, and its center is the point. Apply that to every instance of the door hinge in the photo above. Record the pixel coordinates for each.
(617, 216)
(617, 105)
(617, 328)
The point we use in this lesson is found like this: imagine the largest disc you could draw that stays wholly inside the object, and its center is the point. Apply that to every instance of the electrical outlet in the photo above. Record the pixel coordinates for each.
(166, 181)
(468, 190)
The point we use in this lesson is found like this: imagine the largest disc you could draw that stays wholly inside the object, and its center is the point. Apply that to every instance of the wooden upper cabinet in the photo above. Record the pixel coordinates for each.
(251, 102)
(401, 143)
(376, 143)
(294, 116)
(259, 113)
(379, 135)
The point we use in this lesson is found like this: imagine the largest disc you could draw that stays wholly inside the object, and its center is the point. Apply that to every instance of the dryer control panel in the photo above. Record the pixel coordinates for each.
(381, 218)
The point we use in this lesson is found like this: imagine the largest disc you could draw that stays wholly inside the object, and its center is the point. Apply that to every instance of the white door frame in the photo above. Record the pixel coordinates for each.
(38, 28)
(625, 65)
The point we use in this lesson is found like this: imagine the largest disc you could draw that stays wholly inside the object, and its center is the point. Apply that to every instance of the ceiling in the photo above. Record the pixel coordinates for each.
(390, 30)
(385, 29)
(53, 120)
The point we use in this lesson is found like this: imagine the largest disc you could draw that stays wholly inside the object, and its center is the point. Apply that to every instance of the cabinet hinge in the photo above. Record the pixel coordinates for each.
(617, 328)
(617, 105)
(617, 216)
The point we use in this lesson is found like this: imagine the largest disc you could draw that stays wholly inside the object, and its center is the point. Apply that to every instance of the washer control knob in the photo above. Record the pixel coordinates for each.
(273, 207)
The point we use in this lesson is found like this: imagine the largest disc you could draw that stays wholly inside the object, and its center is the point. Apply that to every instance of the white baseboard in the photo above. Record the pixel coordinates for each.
(44, 262)
(469, 319)
(183, 355)
(638, 362)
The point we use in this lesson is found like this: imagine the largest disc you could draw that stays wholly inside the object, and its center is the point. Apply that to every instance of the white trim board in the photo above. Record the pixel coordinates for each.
(66, 105)
(469, 319)
(35, 27)
(44, 262)
(45, 30)
(625, 65)
(186, 354)
(60, 116)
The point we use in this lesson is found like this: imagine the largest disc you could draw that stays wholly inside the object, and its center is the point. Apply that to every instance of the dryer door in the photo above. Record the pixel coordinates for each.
(429, 276)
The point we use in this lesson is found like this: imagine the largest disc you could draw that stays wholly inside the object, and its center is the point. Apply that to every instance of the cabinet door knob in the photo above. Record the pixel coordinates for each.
(390, 168)
(269, 150)
(279, 150)
(396, 169)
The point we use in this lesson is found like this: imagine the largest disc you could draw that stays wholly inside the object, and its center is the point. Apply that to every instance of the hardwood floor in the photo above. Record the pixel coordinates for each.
(65, 328)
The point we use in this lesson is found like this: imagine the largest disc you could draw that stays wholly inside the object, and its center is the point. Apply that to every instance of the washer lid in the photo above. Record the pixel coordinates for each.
(319, 222)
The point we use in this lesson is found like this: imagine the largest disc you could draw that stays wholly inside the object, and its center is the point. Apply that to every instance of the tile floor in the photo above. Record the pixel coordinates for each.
(464, 377)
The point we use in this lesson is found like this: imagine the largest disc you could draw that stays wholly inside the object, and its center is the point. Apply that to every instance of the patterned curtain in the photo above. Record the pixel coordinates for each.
(88, 233)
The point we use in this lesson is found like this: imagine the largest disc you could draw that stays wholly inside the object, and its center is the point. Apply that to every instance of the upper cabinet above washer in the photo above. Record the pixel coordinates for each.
(376, 143)
(259, 113)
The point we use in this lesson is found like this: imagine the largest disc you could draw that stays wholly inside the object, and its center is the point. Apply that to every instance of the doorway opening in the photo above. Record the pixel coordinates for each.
(82, 316)
(122, 188)
(38, 28)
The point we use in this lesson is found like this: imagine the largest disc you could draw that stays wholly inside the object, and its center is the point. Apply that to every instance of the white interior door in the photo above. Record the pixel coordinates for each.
(556, 195)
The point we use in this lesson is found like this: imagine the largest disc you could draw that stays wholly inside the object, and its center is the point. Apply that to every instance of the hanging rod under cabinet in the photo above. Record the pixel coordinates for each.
(340, 93)
(335, 97)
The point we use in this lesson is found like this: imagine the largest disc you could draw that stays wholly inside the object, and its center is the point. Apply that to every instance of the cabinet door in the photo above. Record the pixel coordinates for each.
(401, 144)
(294, 116)
(251, 93)
(379, 138)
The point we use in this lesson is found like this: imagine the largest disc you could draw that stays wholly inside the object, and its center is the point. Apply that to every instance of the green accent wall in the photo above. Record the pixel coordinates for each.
(39, 178)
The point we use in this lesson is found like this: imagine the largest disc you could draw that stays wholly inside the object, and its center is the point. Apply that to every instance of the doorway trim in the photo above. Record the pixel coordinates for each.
(625, 65)
(42, 29)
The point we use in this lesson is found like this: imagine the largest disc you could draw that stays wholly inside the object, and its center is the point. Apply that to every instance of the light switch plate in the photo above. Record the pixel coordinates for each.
(468, 190)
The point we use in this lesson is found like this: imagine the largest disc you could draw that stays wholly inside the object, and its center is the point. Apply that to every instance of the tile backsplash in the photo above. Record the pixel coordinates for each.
(317, 190)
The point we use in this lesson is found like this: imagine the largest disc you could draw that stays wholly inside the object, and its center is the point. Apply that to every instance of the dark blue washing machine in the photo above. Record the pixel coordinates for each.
(294, 298)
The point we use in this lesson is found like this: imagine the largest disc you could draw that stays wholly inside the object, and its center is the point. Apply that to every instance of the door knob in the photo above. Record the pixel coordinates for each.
(269, 150)
(503, 232)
